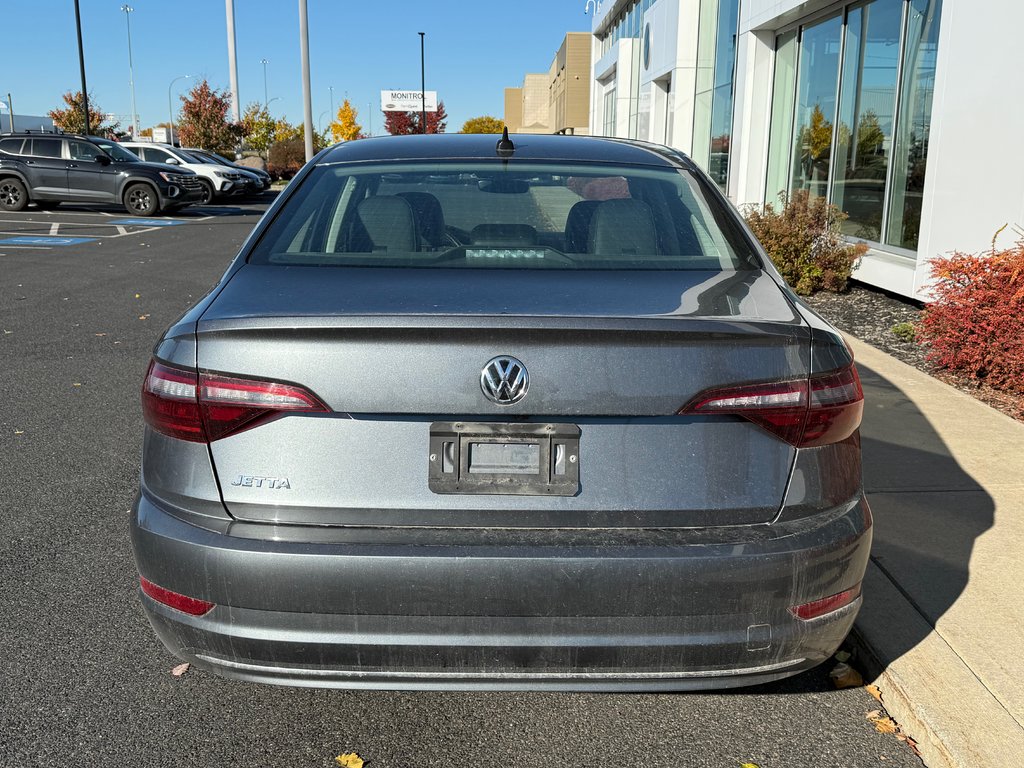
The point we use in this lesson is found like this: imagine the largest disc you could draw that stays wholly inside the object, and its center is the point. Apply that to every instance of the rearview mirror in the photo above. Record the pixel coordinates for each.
(103, 159)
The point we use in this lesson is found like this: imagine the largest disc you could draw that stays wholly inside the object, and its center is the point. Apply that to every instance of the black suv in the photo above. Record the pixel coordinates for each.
(50, 168)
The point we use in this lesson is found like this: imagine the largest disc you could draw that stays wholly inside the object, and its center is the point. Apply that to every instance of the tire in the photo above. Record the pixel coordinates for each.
(207, 197)
(141, 200)
(13, 195)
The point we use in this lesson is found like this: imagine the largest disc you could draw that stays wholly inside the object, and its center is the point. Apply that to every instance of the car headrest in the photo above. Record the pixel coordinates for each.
(622, 228)
(577, 225)
(384, 223)
(426, 209)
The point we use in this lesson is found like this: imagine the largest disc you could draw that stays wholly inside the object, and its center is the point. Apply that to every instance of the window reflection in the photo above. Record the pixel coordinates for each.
(867, 112)
(911, 154)
(817, 82)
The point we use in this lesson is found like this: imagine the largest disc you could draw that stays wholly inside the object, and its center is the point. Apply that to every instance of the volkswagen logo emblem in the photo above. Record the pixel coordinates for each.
(504, 380)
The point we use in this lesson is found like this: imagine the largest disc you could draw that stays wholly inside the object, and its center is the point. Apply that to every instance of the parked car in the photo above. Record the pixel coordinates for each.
(535, 416)
(49, 169)
(259, 173)
(217, 182)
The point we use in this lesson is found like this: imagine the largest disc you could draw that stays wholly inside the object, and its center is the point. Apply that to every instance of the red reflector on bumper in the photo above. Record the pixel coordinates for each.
(183, 603)
(816, 608)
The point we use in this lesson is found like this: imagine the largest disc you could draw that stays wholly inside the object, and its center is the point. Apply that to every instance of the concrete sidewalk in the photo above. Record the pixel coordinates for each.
(943, 612)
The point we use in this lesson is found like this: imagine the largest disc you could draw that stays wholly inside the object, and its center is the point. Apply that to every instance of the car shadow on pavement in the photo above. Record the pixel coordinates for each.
(928, 512)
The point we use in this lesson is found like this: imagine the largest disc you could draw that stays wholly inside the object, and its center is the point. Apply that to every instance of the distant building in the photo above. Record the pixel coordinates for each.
(24, 122)
(558, 101)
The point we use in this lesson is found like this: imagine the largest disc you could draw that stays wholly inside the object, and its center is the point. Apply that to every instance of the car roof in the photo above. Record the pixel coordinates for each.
(528, 147)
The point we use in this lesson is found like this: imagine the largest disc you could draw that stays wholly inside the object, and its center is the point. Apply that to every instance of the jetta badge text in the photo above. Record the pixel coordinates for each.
(504, 380)
(254, 481)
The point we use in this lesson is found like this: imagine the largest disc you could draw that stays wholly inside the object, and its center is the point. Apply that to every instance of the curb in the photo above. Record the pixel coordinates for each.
(929, 690)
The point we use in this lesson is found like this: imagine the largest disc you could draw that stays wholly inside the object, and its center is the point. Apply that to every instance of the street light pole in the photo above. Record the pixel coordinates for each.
(333, 113)
(131, 70)
(307, 96)
(81, 66)
(170, 109)
(264, 62)
(423, 84)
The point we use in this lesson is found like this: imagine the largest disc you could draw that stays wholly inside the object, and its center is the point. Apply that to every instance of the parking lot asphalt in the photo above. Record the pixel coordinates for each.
(83, 679)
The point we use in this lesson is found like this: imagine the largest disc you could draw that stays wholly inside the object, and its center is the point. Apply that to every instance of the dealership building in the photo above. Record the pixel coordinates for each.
(903, 113)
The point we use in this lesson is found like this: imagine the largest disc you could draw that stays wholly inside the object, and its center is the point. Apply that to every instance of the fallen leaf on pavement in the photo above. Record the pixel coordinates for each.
(95, 334)
(874, 691)
(885, 725)
(180, 670)
(349, 760)
(842, 656)
(845, 676)
(742, 765)
(874, 714)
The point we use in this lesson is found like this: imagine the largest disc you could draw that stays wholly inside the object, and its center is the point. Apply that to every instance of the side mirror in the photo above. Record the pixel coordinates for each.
(103, 159)
(173, 161)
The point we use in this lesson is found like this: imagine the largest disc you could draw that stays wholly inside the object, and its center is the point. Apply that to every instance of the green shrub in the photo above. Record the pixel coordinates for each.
(805, 243)
(904, 331)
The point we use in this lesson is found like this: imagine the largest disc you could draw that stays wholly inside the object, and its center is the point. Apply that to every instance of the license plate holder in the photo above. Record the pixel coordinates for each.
(523, 459)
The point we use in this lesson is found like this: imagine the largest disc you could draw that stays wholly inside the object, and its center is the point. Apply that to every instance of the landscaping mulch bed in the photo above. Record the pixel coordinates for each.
(871, 315)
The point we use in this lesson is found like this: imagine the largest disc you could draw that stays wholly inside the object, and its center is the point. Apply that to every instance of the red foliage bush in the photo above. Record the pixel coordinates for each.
(975, 323)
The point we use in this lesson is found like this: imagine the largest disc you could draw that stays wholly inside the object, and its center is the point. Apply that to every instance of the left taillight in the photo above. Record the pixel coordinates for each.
(203, 407)
(810, 412)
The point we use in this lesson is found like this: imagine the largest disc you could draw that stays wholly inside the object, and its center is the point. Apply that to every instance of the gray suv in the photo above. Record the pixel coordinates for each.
(49, 169)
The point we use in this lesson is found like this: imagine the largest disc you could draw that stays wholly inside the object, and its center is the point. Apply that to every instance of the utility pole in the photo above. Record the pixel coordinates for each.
(423, 84)
(307, 96)
(81, 66)
(10, 112)
(131, 71)
(232, 59)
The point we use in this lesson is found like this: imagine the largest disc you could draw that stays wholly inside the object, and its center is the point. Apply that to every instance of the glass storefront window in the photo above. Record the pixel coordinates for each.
(609, 112)
(780, 139)
(716, 58)
(817, 83)
(721, 103)
(867, 114)
(868, 149)
(910, 156)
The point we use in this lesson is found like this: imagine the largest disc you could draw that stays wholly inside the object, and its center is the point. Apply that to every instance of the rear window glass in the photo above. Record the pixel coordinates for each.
(11, 146)
(498, 215)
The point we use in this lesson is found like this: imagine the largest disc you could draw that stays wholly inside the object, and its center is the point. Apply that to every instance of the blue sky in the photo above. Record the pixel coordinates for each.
(474, 49)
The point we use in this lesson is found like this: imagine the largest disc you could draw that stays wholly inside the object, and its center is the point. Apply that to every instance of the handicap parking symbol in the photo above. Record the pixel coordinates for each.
(39, 240)
(147, 222)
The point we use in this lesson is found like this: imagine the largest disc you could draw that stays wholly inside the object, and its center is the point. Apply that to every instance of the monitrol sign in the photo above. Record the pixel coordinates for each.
(407, 101)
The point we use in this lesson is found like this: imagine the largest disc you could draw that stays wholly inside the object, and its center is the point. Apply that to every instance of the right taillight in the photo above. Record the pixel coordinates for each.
(821, 410)
(203, 407)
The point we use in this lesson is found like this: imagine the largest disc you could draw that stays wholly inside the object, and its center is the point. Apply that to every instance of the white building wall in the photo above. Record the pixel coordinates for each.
(975, 179)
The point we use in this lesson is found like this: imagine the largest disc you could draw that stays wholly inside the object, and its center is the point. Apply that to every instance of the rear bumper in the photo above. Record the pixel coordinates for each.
(640, 610)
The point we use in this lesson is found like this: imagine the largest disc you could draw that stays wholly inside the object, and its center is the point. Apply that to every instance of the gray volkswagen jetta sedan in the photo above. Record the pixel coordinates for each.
(540, 415)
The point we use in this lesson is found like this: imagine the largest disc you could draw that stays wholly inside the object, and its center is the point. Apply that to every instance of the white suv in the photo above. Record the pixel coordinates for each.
(218, 181)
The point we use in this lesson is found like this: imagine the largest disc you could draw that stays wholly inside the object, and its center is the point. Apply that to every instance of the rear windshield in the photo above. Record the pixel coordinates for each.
(504, 215)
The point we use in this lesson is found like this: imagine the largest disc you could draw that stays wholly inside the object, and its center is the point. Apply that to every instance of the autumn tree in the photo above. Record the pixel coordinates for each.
(284, 131)
(344, 127)
(258, 127)
(406, 123)
(204, 120)
(484, 124)
(70, 119)
(399, 123)
(437, 121)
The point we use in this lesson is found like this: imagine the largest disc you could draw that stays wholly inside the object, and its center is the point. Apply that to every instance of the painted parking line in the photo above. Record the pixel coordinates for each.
(47, 240)
(147, 222)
